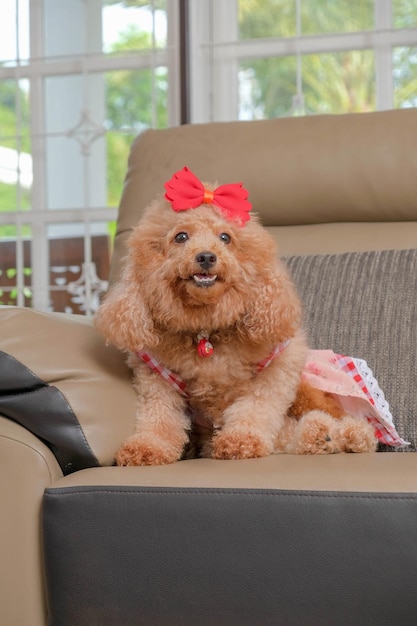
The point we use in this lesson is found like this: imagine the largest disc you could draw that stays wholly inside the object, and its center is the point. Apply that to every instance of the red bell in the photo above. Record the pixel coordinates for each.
(205, 347)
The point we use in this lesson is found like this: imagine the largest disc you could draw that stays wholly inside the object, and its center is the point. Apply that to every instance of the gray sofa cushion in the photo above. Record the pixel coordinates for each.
(364, 304)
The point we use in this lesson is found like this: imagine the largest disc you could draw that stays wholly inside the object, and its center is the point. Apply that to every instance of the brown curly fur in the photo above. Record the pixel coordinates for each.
(250, 308)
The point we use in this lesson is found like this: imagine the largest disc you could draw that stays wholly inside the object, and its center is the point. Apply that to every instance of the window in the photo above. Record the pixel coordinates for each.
(253, 59)
(78, 81)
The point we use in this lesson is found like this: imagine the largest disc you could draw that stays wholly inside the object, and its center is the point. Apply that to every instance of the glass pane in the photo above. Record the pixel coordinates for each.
(80, 112)
(267, 87)
(14, 112)
(278, 18)
(14, 42)
(75, 281)
(134, 25)
(336, 16)
(342, 82)
(15, 157)
(75, 142)
(267, 18)
(15, 180)
(118, 147)
(15, 265)
(71, 27)
(135, 101)
(67, 97)
(75, 173)
(405, 77)
(404, 13)
(110, 26)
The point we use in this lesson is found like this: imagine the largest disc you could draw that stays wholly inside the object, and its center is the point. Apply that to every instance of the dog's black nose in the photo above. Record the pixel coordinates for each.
(206, 259)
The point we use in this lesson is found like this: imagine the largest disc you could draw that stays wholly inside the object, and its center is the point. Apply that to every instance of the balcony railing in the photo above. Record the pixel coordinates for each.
(74, 286)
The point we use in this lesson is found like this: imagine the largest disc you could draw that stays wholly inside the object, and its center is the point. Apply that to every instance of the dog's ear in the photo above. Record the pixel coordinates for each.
(124, 318)
(274, 308)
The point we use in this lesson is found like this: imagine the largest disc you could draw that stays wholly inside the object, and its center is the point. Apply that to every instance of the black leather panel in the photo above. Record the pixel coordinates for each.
(152, 556)
(43, 409)
(16, 377)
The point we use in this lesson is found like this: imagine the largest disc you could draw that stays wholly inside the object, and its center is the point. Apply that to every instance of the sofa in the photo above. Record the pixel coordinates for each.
(282, 540)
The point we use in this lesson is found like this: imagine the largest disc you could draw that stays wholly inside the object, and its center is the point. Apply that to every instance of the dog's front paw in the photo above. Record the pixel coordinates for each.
(139, 450)
(239, 445)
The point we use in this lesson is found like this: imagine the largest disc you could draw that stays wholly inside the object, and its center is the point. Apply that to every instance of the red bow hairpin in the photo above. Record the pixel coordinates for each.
(184, 191)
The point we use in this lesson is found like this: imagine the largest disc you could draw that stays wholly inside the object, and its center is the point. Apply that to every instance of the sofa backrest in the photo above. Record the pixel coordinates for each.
(321, 184)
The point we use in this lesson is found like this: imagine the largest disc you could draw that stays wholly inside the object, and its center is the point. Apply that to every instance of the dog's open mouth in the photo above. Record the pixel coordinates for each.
(204, 280)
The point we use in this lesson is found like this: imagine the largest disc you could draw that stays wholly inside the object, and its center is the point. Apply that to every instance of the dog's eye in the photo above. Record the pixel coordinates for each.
(225, 237)
(181, 237)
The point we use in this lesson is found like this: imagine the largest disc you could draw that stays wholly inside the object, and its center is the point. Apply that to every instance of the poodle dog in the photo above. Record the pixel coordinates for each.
(212, 325)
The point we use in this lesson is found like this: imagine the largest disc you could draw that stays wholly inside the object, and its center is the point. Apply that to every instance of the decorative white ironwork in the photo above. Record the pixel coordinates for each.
(87, 289)
(86, 132)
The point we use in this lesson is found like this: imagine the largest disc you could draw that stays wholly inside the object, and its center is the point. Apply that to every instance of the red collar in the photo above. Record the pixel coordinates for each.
(179, 384)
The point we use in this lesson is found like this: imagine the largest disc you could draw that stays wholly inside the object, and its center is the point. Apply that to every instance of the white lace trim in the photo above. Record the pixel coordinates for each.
(383, 413)
(374, 389)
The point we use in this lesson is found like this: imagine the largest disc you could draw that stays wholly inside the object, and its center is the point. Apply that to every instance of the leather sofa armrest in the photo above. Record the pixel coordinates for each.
(280, 540)
(27, 466)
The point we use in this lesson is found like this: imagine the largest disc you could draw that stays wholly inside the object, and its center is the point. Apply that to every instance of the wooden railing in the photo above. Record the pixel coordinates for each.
(66, 256)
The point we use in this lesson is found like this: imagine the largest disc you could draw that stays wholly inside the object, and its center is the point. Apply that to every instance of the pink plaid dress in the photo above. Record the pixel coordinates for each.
(348, 379)
(352, 382)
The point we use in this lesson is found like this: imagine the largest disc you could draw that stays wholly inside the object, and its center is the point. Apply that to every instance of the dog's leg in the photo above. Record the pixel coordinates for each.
(311, 424)
(252, 423)
(310, 398)
(314, 433)
(317, 432)
(355, 435)
(319, 425)
(161, 423)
